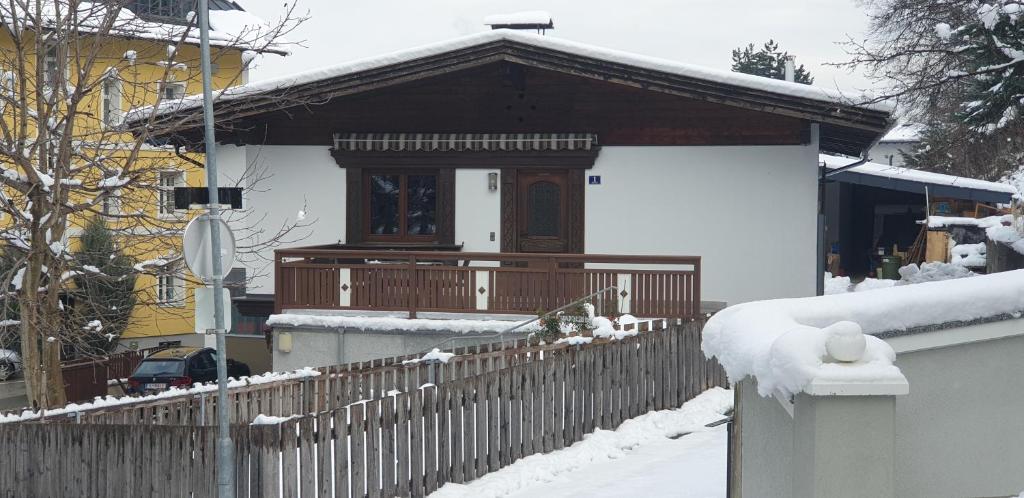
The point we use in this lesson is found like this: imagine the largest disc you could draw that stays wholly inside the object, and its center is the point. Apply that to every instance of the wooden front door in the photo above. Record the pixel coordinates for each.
(542, 218)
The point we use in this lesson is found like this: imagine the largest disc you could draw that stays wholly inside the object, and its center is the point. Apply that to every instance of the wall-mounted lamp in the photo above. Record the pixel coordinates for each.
(492, 181)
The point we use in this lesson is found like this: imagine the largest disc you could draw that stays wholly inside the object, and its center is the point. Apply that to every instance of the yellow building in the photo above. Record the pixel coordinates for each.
(148, 55)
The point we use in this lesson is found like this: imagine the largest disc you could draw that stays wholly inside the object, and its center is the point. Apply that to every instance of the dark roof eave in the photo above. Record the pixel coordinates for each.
(836, 116)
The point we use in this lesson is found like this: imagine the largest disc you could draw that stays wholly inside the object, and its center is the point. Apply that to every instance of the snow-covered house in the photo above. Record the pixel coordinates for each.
(902, 139)
(519, 157)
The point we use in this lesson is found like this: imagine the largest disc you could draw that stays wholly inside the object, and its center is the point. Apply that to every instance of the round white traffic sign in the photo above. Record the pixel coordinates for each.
(197, 246)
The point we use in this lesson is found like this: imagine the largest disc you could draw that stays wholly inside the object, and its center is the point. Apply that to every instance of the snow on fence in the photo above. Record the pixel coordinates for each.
(484, 413)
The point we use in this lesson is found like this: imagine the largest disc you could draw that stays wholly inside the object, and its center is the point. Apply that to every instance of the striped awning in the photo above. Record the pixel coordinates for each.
(463, 142)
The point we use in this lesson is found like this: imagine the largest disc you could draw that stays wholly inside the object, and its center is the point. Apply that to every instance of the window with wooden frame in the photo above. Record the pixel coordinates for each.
(400, 206)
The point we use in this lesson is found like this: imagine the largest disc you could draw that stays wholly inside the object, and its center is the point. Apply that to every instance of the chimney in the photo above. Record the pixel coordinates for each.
(534, 20)
(790, 68)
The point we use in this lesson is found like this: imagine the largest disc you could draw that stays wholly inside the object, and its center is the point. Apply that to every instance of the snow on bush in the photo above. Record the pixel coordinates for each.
(781, 343)
(600, 446)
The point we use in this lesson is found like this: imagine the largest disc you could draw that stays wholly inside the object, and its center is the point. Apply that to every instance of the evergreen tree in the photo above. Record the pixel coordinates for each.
(768, 61)
(992, 46)
(104, 291)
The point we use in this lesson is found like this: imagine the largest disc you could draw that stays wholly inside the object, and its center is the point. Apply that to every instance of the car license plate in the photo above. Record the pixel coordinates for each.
(156, 386)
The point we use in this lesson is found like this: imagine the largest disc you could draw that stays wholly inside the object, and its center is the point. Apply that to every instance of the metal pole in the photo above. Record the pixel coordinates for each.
(225, 459)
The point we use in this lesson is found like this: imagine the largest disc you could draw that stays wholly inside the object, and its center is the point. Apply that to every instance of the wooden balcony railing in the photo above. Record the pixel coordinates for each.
(469, 282)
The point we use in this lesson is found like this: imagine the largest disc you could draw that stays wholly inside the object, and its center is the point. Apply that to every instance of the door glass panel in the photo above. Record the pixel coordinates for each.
(384, 200)
(421, 202)
(543, 210)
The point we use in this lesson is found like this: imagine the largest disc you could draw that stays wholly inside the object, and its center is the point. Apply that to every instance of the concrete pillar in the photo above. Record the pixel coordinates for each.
(844, 440)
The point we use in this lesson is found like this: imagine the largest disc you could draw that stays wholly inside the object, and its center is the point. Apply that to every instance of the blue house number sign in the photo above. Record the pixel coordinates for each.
(594, 180)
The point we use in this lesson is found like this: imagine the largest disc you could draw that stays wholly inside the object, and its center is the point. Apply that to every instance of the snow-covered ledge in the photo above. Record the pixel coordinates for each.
(783, 343)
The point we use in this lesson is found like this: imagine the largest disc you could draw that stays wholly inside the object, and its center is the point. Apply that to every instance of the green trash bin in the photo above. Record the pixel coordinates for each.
(891, 267)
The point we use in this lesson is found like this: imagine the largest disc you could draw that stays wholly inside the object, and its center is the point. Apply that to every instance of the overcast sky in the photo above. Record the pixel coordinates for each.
(700, 32)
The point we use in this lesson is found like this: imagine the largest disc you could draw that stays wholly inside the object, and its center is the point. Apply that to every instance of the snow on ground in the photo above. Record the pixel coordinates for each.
(909, 274)
(781, 343)
(637, 459)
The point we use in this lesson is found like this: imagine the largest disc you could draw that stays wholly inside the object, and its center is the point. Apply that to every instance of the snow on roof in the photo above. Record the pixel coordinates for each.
(515, 18)
(914, 175)
(903, 133)
(1001, 229)
(548, 42)
(386, 323)
(781, 343)
(234, 28)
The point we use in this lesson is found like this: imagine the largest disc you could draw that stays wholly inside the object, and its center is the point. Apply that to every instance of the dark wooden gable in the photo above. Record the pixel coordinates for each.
(506, 97)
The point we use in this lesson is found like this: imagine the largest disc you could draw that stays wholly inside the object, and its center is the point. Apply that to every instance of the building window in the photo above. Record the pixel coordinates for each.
(167, 182)
(7, 83)
(170, 286)
(112, 103)
(175, 11)
(172, 90)
(401, 206)
(51, 65)
(112, 203)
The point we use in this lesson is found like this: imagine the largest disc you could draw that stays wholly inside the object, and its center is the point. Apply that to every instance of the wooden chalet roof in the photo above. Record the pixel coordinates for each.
(845, 127)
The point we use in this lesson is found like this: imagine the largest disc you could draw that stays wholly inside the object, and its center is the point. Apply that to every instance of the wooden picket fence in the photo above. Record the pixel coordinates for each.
(473, 422)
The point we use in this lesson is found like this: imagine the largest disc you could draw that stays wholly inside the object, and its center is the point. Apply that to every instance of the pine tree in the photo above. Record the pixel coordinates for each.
(104, 291)
(768, 62)
(992, 46)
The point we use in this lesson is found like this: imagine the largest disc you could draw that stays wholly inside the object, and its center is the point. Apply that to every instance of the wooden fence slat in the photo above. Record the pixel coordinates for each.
(480, 443)
(430, 433)
(357, 457)
(402, 443)
(373, 461)
(493, 422)
(341, 453)
(416, 444)
(307, 456)
(387, 447)
(516, 415)
(290, 462)
(558, 377)
(459, 449)
(323, 455)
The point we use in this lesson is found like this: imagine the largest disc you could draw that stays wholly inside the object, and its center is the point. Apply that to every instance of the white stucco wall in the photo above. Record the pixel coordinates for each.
(748, 212)
(292, 177)
(477, 211)
(884, 152)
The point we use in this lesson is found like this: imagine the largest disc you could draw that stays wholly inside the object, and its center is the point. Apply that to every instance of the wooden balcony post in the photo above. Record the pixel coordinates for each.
(552, 285)
(413, 287)
(696, 289)
(278, 284)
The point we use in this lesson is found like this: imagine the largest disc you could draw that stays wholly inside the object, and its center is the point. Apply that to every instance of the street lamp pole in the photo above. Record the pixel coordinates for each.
(225, 459)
